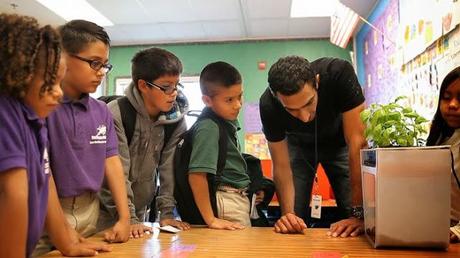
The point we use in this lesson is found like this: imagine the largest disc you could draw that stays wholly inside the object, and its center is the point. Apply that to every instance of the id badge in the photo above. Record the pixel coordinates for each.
(316, 206)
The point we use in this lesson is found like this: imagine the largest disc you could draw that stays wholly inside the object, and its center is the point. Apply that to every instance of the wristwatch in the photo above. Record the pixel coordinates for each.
(357, 212)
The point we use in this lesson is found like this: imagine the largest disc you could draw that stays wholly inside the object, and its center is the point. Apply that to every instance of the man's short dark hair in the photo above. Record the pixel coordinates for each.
(218, 74)
(289, 74)
(152, 63)
(77, 34)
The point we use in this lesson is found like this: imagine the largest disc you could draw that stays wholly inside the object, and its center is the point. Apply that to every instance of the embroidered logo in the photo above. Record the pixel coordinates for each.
(46, 162)
(100, 136)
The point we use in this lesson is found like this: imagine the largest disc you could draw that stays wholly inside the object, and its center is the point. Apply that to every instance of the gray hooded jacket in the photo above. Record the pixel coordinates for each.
(144, 156)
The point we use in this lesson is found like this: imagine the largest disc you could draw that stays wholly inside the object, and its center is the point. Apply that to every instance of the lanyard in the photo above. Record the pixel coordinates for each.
(453, 168)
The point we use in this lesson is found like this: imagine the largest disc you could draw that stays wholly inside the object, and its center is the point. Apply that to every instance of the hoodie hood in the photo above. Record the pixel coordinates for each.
(177, 112)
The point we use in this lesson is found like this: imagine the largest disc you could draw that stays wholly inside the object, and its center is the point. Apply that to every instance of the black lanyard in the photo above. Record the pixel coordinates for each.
(453, 169)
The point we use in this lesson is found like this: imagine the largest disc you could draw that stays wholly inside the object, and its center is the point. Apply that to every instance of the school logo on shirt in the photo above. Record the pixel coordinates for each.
(100, 136)
(46, 162)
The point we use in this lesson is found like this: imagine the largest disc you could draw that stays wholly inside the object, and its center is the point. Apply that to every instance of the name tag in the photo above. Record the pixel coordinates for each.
(316, 206)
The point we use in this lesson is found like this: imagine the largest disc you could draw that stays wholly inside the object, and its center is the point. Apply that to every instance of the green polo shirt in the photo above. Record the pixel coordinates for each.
(205, 153)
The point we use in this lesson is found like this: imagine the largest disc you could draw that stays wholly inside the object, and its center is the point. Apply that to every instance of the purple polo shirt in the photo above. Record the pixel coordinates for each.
(23, 138)
(82, 136)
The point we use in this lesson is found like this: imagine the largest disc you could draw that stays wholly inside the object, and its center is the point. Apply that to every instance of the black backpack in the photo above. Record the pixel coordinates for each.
(259, 182)
(183, 194)
(128, 117)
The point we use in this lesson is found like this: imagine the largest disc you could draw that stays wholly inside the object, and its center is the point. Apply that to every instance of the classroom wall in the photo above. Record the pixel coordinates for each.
(419, 46)
(243, 55)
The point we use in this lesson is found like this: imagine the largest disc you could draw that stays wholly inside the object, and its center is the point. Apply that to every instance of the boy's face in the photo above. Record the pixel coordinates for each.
(47, 103)
(301, 105)
(80, 76)
(156, 94)
(226, 102)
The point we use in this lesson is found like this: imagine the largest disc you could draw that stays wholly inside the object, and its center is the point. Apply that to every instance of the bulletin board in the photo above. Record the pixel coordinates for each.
(254, 140)
(415, 52)
(380, 53)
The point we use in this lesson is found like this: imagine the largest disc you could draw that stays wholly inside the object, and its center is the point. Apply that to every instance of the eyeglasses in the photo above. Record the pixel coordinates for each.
(168, 90)
(96, 65)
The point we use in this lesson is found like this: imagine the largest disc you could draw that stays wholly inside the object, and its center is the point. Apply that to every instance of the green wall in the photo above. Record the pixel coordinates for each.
(243, 55)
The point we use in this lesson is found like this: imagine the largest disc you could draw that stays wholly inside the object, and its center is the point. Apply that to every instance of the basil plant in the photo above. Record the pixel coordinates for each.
(393, 125)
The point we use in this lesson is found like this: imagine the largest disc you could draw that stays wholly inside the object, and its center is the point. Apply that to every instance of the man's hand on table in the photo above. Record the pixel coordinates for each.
(347, 227)
(290, 223)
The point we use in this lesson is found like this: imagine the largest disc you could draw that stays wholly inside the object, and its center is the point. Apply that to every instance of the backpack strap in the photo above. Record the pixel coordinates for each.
(128, 117)
(222, 156)
(169, 129)
(223, 141)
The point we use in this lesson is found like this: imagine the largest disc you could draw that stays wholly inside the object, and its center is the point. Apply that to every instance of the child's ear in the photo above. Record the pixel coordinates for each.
(141, 85)
(317, 81)
(206, 100)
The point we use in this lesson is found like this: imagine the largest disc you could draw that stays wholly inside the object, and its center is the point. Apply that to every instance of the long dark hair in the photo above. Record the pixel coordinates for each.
(439, 128)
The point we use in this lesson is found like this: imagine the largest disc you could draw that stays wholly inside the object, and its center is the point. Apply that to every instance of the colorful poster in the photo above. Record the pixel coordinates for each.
(450, 57)
(389, 74)
(423, 22)
(256, 145)
(421, 78)
(252, 123)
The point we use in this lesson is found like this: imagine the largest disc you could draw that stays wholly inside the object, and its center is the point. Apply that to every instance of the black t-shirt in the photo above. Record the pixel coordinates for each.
(338, 92)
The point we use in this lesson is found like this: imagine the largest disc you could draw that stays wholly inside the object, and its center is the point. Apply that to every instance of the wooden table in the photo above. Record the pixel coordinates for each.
(256, 242)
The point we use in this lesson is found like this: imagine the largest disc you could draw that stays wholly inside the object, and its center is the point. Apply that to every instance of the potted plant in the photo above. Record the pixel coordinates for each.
(406, 187)
(393, 125)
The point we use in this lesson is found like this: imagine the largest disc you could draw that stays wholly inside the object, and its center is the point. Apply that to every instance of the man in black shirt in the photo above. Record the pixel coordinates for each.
(310, 115)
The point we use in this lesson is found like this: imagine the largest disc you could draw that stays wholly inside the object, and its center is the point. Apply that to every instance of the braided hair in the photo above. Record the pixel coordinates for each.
(26, 49)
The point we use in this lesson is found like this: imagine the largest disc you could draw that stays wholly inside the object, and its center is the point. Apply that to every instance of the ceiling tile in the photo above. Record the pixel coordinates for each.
(182, 31)
(163, 21)
(126, 12)
(206, 10)
(268, 28)
(223, 29)
(317, 27)
(32, 8)
(130, 34)
(257, 9)
(162, 11)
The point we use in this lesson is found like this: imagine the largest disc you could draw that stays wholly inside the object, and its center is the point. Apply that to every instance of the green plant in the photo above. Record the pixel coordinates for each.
(393, 125)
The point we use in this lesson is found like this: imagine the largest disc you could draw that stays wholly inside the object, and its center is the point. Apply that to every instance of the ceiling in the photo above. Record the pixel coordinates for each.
(173, 21)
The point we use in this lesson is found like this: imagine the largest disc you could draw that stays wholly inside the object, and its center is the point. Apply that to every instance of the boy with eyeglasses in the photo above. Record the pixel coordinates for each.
(155, 96)
(83, 143)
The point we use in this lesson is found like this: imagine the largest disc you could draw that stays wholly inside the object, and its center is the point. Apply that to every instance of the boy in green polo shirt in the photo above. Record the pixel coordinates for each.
(222, 90)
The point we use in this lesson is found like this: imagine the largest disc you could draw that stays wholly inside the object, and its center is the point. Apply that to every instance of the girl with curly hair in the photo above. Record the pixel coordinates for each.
(31, 70)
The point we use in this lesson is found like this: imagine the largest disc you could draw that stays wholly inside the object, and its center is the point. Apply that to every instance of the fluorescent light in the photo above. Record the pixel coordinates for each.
(76, 9)
(312, 8)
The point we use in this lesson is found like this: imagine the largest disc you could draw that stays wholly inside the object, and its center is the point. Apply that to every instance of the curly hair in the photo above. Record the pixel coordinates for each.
(289, 74)
(152, 63)
(25, 49)
(439, 127)
(218, 74)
